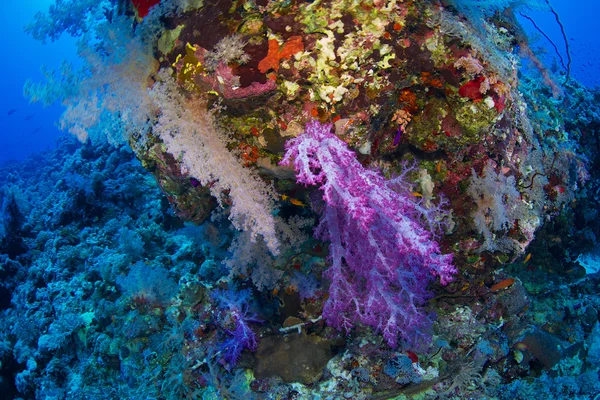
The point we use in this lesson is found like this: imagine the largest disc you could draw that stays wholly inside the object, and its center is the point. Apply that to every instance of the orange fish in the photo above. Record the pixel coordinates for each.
(297, 203)
(502, 285)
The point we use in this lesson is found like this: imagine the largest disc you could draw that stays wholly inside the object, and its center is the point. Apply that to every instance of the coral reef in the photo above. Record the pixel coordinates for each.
(264, 195)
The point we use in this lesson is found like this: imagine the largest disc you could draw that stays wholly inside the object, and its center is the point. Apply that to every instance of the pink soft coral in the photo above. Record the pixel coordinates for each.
(382, 258)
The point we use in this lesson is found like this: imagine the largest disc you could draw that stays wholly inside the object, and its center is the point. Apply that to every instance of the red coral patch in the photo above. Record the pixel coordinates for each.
(144, 6)
(471, 89)
(499, 102)
(293, 45)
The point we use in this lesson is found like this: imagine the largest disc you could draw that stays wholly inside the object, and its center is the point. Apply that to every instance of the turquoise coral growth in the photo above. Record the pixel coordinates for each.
(381, 255)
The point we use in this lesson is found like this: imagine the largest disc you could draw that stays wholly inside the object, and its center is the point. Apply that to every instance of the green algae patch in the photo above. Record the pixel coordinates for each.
(167, 40)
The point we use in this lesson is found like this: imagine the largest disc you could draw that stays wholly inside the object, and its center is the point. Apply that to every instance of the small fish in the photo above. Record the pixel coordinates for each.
(417, 194)
(527, 258)
(29, 117)
(438, 166)
(12, 111)
(502, 285)
(297, 202)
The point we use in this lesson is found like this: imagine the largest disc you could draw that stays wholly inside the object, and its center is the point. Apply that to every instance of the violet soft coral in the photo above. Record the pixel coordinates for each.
(234, 317)
(382, 258)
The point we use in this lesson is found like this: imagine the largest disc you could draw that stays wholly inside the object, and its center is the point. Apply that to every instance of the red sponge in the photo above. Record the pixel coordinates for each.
(144, 6)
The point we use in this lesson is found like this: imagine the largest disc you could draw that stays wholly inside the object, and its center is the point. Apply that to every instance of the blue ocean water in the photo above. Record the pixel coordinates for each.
(582, 32)
(32, 127)
(434, 232)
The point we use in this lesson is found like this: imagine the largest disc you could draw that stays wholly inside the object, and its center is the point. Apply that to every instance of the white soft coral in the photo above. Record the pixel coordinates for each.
(190, 134)
(227, 50)
(499, 205)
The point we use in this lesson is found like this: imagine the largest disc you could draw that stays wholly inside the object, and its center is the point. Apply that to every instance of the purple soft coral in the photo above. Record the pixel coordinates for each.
(234, 317)
(382, 258)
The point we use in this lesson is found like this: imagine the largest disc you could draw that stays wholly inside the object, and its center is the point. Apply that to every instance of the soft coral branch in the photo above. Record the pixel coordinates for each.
(234, 317)
(382, 258)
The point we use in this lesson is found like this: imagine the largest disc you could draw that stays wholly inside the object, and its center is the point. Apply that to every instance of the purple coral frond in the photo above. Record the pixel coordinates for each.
(382, 257)
(234, 317)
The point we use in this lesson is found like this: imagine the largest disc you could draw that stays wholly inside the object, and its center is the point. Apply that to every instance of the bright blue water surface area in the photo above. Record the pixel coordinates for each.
(26, 128)
(580, 19)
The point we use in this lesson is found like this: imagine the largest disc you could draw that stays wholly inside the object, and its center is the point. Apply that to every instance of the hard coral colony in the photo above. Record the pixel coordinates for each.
(348, 192)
